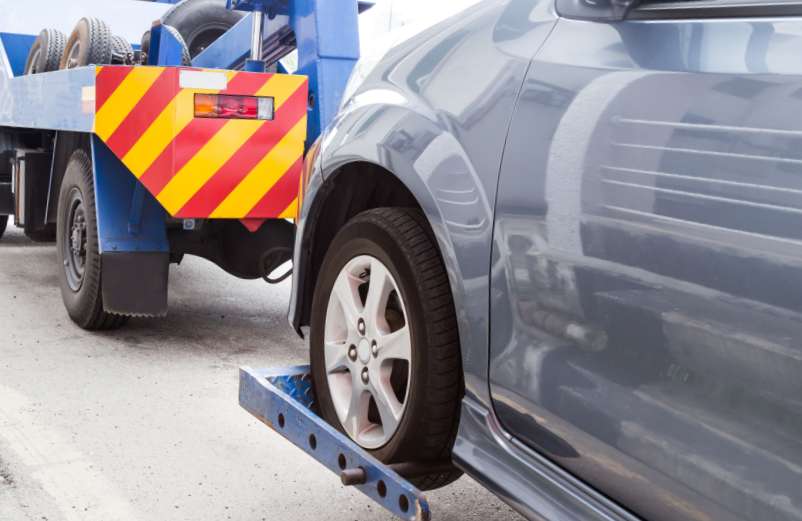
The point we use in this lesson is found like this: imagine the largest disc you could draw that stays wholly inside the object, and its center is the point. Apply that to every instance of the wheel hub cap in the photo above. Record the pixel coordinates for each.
(364, 351)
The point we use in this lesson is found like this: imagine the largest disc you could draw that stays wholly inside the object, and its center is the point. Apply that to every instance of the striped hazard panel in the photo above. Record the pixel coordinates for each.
(199, 167)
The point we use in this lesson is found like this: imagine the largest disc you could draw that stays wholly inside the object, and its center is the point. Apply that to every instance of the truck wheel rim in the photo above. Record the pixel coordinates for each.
(34, 61)
(74, 249)
(368, 351)
(73, 55)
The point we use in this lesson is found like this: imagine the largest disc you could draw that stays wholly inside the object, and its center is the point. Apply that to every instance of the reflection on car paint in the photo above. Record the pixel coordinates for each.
(660, 207)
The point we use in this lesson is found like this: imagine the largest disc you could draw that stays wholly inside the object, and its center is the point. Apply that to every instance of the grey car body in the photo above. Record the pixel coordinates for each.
(618, 204)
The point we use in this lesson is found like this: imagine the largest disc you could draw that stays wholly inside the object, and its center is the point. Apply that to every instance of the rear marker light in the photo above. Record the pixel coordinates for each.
(226, 106)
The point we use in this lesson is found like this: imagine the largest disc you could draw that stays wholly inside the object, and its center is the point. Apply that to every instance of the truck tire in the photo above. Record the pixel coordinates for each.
(3, 224)
(201, 22)
(384, 342)
(46, 52)
(77, 248)
(122, 53)
(89, 44)
(186, 58)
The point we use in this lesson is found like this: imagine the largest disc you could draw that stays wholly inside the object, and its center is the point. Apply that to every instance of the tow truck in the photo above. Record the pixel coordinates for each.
(132, 156)
(176, 155)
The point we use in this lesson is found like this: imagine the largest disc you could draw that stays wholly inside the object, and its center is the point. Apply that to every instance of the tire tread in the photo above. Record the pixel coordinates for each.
(444, 385)
(89, 314)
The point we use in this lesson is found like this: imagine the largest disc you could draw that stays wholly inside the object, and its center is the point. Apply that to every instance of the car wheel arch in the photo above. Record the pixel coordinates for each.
(363, 186)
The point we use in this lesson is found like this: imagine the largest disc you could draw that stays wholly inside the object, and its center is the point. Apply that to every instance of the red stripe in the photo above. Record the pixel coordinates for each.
(283, 193)
(194, 136)
(247, 157)
(246, 83)
(147, 109)
(107, 81)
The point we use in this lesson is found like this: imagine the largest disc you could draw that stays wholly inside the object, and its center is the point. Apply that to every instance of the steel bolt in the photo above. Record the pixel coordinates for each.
(365, 375)
(360, 326)
(352, 353)
(374, 348)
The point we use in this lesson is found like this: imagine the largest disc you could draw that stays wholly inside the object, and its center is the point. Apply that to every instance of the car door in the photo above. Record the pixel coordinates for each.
(646, 301)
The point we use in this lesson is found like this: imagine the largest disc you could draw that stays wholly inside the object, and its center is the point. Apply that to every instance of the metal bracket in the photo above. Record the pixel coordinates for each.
(284, 400)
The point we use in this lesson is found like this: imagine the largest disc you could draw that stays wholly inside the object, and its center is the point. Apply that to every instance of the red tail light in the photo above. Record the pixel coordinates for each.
(226, 106)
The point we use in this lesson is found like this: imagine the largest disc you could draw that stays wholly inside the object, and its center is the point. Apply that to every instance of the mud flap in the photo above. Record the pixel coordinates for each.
(135, 283)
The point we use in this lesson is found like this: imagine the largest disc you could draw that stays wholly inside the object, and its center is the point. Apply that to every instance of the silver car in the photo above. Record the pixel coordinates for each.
(559, 244)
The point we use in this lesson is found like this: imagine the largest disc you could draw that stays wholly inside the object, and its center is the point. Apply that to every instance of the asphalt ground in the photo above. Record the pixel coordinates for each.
(143, 424)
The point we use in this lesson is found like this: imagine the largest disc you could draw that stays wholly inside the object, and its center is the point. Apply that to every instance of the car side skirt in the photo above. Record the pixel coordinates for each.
(522, 478)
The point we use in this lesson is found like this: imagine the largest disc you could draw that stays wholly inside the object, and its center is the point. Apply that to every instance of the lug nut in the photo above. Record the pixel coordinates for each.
(374, 348)
(365, 376)
(360, 326)
(352, 353)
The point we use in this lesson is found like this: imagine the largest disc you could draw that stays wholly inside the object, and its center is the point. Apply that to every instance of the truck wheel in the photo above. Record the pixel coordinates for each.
(89, 44)
(122, 53)
(201, 22)
(3, 224)
(384, 343)
(46, 52)
(77, 248)
(186, 57)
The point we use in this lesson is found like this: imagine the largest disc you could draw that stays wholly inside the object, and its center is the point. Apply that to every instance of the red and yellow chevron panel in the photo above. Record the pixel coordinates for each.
(205, 167)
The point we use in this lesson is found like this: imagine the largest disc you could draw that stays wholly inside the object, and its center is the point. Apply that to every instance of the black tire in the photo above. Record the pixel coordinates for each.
(186, 59)
(401, 239)
(90, 43)
(201, 22)
(3, 225)
(82, 295)
(144, 48)
(46, 52)
(122, 53)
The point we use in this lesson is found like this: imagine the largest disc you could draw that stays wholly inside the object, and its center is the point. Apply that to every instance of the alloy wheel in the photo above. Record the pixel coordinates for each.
(367, 351)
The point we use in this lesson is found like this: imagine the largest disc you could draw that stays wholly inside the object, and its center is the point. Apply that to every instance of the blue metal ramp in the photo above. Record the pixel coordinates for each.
(283, 399)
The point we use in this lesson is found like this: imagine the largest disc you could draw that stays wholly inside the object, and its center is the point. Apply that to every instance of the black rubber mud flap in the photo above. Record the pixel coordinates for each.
(135, 283)
(6, 199)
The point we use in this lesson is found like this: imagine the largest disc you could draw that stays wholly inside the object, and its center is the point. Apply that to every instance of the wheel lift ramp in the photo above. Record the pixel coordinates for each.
(284, 400)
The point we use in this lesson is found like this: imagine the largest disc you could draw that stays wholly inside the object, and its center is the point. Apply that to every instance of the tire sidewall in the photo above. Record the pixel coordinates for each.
(194, 17)
(94, 37)
(366, 238)
(79, 304)
(36, 47)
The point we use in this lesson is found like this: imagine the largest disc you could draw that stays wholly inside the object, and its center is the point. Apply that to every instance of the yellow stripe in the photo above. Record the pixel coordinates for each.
(124, 99)
(203, 165)
(281, 87)
(167, 125)
(159, 134)
(291, 212)
(264, 175)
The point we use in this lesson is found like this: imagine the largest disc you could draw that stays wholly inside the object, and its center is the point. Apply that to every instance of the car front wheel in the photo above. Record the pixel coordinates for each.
(384, 342)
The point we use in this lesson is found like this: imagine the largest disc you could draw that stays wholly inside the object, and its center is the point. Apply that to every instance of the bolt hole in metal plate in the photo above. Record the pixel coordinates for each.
(285, 396)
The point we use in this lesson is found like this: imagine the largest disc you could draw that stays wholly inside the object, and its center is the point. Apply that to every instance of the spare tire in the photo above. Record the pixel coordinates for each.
(46, 51)
(90, 43)
(201, 22)
(122, 51)
(186, 59)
